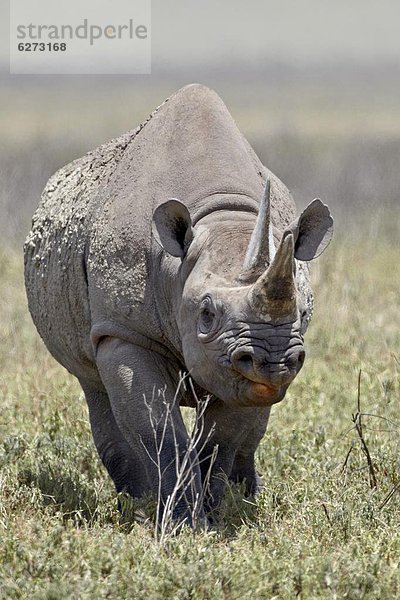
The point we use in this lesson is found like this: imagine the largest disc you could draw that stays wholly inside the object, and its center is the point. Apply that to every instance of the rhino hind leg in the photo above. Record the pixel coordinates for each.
(113, 449)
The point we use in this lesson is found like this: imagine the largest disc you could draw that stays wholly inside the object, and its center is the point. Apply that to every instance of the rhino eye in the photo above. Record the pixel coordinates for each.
(207, 316)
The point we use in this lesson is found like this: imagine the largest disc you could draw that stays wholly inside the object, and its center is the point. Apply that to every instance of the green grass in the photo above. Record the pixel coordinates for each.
(317, 531)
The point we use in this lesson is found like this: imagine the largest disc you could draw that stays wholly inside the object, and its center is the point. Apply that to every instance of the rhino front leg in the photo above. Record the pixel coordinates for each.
(142, 388)
(237, 433)
(116, 454)
(244, 468)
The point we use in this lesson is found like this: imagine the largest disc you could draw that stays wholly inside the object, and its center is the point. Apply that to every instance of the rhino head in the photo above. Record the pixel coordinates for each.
(243, 301)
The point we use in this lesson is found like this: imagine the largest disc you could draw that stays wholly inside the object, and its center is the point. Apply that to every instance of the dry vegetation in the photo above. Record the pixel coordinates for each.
(319, 529)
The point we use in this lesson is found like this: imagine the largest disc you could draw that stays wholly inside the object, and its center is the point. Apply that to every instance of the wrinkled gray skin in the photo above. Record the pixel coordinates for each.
(128, 289)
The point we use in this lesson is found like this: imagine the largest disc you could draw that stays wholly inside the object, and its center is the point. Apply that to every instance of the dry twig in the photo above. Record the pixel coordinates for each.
(390, 495)
(357, 420)
(186, 466)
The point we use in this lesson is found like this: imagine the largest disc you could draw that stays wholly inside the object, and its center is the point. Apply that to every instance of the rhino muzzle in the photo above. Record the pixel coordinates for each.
(256, 365)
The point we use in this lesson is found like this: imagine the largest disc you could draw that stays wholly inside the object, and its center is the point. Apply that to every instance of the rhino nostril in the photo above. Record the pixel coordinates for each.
(243, 362)
(295, 361)
(300, 360)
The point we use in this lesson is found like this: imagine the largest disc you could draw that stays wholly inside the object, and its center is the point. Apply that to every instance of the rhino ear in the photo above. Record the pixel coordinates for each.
(312, 231)
(172, 227)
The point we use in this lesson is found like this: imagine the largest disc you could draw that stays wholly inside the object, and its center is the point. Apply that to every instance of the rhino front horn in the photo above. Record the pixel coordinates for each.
(274, 293)
(261, 249)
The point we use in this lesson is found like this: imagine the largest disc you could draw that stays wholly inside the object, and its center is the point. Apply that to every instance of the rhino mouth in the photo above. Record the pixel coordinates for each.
(255, 393)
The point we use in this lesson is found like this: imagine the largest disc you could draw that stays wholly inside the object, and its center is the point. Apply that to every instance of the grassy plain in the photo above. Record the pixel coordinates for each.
(318, 530)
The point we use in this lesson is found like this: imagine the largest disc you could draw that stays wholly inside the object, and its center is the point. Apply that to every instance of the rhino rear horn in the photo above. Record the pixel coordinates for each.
(275, 291)
(261, 249)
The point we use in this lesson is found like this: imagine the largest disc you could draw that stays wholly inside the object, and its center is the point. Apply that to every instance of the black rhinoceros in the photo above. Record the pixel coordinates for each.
(173, 249)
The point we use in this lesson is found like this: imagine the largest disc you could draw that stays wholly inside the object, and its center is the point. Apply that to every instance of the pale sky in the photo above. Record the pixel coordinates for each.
(213, 31)
(316, 30)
